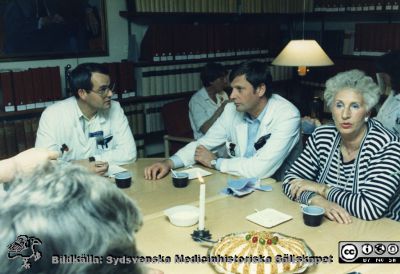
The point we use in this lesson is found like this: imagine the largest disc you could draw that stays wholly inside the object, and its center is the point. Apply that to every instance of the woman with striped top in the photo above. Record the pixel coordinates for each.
(351, 167)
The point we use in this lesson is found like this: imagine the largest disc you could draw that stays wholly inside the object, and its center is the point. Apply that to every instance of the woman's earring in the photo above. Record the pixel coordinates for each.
(366, 119)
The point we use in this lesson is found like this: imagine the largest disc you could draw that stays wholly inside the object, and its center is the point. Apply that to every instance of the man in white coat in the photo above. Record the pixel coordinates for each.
(260, 131)
(89, 128)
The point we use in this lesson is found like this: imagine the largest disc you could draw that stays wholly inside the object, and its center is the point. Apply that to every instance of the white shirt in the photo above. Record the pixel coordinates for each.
(281, 121)
(64, 123)
(201, 108)
(389, 113)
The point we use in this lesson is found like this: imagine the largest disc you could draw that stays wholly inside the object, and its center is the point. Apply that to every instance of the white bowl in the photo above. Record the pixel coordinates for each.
(183, 215)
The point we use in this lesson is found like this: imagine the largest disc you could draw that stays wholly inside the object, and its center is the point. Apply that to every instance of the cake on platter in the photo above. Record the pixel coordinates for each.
(259, 252)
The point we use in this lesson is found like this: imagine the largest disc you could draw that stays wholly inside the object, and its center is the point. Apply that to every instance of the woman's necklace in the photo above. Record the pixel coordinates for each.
(352, 172)
(344, 185)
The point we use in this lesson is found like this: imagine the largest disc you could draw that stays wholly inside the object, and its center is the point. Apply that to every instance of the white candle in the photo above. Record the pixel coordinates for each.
(202, 203)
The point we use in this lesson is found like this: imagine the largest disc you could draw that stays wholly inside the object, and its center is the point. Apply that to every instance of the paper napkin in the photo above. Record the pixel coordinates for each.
(268, 217)
(244, 186)
(114, 169)
(193, 172)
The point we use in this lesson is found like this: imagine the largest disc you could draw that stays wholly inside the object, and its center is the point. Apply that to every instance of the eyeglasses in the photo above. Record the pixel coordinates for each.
(104, 90)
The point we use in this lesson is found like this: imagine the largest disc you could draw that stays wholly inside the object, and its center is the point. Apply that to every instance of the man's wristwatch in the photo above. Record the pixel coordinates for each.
(213, 163)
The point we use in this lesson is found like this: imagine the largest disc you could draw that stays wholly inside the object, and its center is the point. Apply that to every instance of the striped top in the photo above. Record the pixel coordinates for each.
(366, 187)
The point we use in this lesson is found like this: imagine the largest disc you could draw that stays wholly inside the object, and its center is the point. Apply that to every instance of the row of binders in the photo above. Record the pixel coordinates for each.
(36, 88)
(221, 6)
(135, 115)
(317, 76)
(276, 6)
(205, 6)
(145, 118)
(376, 38)
(181, 78)
(17, 136)
(154, 120)
(30, 89)
(122, 75)
(166, 42)
(355, 5)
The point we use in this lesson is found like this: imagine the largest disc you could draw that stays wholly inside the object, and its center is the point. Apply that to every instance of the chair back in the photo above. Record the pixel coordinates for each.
(176, 121)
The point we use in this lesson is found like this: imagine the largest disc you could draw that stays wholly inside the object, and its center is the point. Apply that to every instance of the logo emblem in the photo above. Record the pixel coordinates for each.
(393, 249)
(348, 252)
(380, 249)
(367, 249)
(26, 248)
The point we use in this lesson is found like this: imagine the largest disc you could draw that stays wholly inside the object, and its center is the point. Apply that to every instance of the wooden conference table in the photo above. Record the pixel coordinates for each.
(226, 214)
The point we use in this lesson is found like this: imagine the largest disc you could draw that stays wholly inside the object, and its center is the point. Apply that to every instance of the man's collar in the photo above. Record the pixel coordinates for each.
(80, 113)
(260, 117)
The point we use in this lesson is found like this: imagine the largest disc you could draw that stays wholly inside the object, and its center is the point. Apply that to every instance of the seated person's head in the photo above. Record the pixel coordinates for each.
(81, 77)
(214, 74)
(350, 96)
(72, 212)
(256, 73)
(388, 72)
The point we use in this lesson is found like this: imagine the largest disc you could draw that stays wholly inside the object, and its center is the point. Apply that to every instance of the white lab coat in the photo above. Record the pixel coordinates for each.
(60, 124)
(389, 114)
(281, 120)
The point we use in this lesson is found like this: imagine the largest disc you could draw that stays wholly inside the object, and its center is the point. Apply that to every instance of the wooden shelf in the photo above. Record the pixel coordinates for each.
(21, 114)
(204, 60)
(146, 18)
(36, 112)
(154, 98)
(354, 16)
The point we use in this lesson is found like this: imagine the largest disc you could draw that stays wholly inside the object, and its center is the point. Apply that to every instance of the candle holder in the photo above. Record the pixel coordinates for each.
(201, 235)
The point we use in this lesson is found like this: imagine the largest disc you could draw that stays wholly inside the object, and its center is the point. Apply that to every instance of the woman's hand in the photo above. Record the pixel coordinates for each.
(297, 186)
(333, 211)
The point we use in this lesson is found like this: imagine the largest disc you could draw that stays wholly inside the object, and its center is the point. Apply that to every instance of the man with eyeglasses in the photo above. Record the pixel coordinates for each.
(89, 128)
(261, 131)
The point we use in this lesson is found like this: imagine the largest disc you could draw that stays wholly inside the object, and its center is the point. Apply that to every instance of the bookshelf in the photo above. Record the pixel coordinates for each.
(265, 26)
(172, 53)
(18, 128)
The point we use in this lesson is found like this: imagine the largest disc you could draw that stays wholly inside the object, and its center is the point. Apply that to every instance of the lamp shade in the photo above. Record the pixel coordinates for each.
(306, 53)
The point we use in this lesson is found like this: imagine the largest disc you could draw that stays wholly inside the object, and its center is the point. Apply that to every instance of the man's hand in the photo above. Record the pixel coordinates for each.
(333, 211)
(158, 170)
(204, 156)
(223, 104)
(97, 167)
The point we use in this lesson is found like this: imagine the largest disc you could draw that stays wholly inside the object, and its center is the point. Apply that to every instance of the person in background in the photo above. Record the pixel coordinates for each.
(92, 126)
(259, 129)
(308, 124)
(25, 163)
(388, 76)
(208, 103)
(351, 167)
(66, 210)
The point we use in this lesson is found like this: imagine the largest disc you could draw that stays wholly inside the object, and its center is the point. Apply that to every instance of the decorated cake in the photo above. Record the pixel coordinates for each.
(259, 252)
